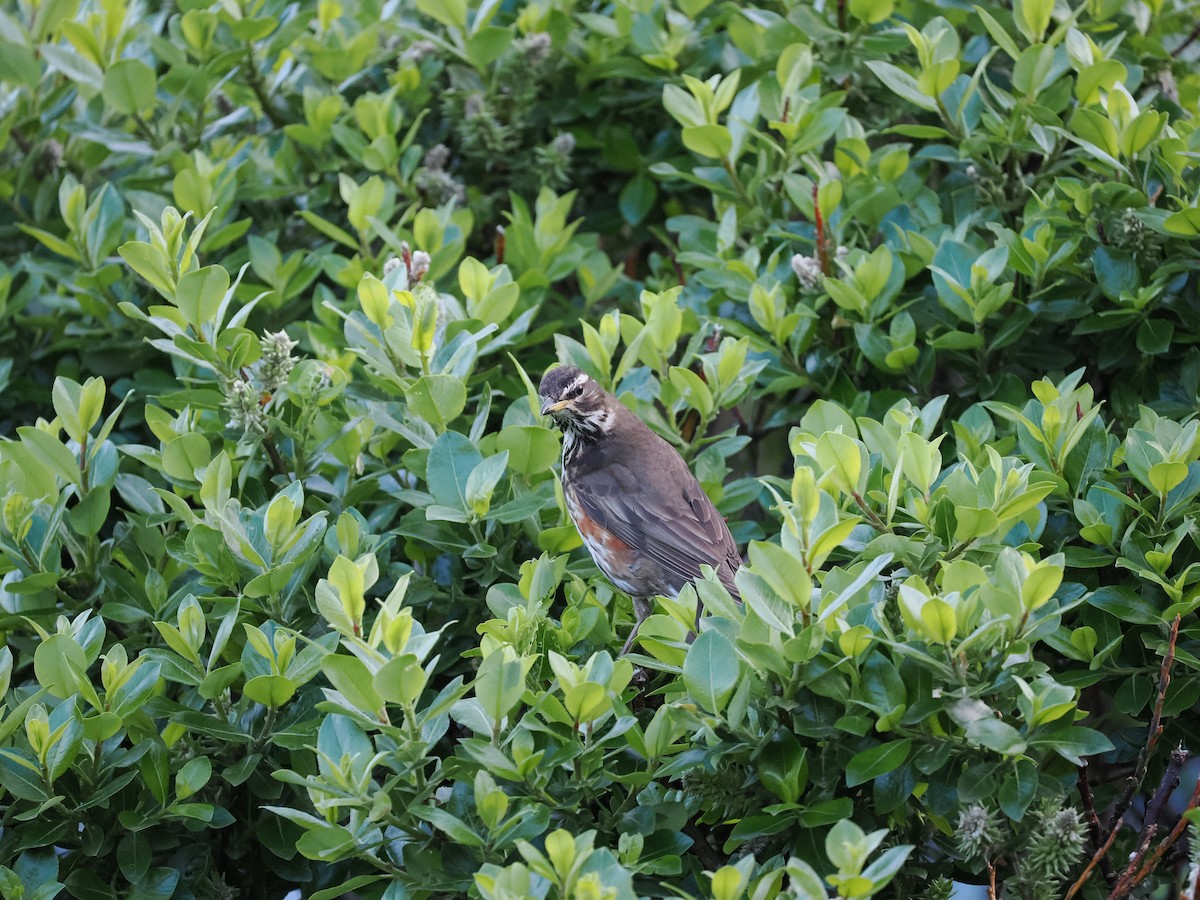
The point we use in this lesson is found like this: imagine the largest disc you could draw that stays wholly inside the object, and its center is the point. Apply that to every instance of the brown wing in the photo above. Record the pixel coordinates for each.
(662, 512)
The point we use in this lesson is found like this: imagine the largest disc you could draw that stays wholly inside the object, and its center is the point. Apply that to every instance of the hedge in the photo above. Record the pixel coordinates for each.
(290, 593)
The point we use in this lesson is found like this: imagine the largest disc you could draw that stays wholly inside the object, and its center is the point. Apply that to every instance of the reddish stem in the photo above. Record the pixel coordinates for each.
(822, 238)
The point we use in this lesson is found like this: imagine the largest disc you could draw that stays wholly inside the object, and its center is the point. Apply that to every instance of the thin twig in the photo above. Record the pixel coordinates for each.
(1187, 42)
(709, 858)
(992, 895)
(1093, 823)
(873, 517)
(268, 443)
(1099, 855)
(1124, 883)
(822, 238)
(1169, 841)
(1170, 780)
(255, 81)
(1139, 773)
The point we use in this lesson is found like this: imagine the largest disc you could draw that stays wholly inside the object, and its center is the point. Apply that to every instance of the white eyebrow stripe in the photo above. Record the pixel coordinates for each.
(580, 380)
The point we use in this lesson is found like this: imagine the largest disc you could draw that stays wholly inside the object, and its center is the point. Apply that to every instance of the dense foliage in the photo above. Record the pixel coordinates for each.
(290, 594)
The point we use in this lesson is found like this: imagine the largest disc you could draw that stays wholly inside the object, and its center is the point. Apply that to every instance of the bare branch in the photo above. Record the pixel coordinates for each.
(1093, 823)
(1169, 841)
(1139, 773)
(1100, 853)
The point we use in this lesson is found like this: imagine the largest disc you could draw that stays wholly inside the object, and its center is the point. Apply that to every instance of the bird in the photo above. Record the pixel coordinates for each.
(642, 514)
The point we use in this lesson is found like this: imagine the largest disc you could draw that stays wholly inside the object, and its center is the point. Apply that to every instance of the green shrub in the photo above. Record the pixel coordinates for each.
(290, 592)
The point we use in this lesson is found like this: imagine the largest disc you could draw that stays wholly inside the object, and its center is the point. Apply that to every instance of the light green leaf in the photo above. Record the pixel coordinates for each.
(129, 87)
(200, 293)
(711, 670)
(437, 399)
(903, 84)
(713, 141)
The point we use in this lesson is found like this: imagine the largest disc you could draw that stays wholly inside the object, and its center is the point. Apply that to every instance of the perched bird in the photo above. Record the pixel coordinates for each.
(642, 515)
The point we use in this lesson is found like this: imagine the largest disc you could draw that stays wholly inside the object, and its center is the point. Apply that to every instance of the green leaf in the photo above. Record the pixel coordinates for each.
(64, 750)
(637, 198)
(1032, 69)
(1154, 336)
(456, 829)
(1116, 272)
(156, 884)
(903, 84)
(487, 45)
(452, 13)
(211, 726)
(56, 661)
(400, 680)
(51, 453)
(52, 242)
(1034, 16)
(134, 856)
(155, 769)
(711, 670)
(499, 684)
(882, 870)
(531, 449)
(328, 844)
(1124, 604)
(88, 516)
(149, 262)
(847, 846)
(713, 141)
(129, 87)
(1019, 789)
(452, 458)
(200, 294)
(1166, 476)
(328, 229)
(21, 776)
(437, 399)
(783, 572)
(995, 735)
(1074, 743)
(872, 12)
(1002, 38)
(481, 483)
(1186, 222)
(765, 603)
(346, 887)
(184, 454)
(1096, 131)
(18, 64)
(84, 884)
(842, 460)
(272, 691)
(474, 279)
(354, 681)
(867, 765)
(695, 392)
(586, 701)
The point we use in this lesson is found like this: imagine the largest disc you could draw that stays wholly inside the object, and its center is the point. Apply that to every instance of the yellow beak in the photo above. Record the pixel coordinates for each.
(549, 406)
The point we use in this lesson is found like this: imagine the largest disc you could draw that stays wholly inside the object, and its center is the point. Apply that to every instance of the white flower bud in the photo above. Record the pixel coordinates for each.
(808, 271)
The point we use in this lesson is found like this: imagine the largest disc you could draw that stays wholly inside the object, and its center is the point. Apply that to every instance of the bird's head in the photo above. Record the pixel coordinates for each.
(575, 402)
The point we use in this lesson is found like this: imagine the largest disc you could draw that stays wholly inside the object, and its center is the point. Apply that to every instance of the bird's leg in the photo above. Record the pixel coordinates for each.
(630, 639)
(642, 607)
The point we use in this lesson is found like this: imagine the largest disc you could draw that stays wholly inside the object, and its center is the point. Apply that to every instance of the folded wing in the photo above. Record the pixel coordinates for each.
(671, 521)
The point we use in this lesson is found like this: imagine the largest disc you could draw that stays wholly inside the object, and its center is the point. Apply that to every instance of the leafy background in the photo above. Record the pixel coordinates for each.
(289, 591)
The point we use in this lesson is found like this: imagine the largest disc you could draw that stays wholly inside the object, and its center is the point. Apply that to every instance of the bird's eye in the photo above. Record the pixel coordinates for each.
(576, 391)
